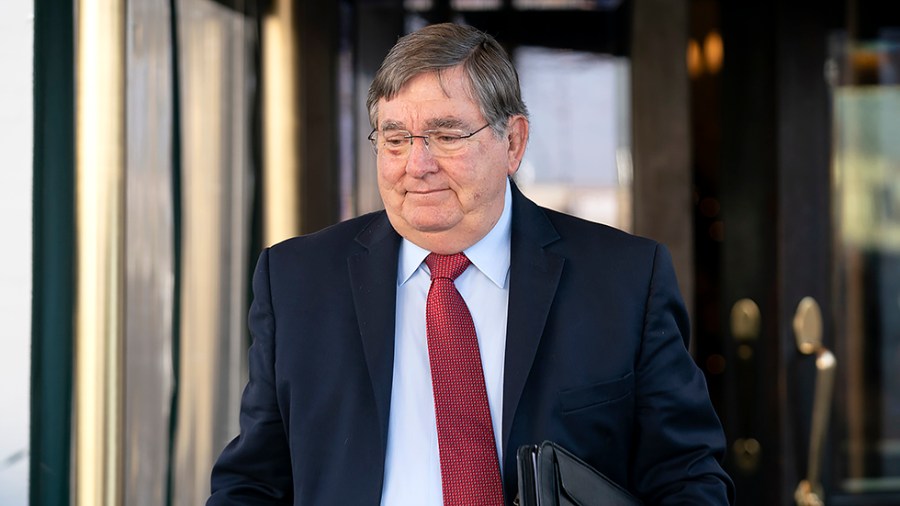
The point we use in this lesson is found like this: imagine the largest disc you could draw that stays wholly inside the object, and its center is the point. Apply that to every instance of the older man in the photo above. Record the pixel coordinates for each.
(401, 357)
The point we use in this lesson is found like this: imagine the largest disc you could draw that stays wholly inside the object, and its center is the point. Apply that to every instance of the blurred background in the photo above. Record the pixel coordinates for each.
(151, 148)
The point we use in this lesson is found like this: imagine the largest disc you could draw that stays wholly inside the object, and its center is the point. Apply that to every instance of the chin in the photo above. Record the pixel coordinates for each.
(430, 227)
(432, 222)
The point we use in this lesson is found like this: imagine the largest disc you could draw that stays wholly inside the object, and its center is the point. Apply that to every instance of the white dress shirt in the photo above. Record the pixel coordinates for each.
(412, 471)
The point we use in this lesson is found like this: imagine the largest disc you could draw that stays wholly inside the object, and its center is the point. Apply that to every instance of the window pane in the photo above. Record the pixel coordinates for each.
(148, 259)
(578, 158)
(217, 80)
(418, 5)
(866, 164)
(475, 5)
(565, 4)
(16, 117)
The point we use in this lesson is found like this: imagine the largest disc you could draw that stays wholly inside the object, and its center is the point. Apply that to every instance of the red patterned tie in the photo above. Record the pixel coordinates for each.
(470, 473)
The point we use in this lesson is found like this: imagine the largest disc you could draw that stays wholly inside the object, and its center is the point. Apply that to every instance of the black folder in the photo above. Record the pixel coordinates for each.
(551, 476)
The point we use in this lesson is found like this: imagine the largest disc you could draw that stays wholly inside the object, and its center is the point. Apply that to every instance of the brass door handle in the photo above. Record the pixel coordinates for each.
(808, 333)
(745, 329)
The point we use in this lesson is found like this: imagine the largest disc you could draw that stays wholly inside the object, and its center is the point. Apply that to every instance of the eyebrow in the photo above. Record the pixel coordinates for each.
(431, 124)
(454, 123)
(393, 125)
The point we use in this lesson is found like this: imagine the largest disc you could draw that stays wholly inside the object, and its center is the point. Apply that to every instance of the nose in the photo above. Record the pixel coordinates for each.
(420, 160)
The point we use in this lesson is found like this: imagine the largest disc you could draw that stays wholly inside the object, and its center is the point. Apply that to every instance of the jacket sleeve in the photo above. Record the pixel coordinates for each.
(255, 467)
(679, 442)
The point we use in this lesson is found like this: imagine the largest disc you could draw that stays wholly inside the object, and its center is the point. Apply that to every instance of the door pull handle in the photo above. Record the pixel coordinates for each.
(808, 334)
(745, 329)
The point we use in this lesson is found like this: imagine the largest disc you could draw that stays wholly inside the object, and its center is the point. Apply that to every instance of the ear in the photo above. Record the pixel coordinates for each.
(517, 136)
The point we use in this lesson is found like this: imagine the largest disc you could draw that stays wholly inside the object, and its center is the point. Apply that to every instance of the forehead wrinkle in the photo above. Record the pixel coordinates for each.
(445, 80)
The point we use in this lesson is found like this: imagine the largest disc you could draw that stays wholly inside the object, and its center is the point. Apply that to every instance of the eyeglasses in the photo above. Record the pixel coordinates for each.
(440, 142)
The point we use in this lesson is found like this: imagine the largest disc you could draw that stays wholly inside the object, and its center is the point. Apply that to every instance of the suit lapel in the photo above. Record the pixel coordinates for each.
(373, 275)
(534, 277)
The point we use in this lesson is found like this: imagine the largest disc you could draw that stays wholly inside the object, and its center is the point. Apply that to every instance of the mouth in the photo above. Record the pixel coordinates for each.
(426, 191)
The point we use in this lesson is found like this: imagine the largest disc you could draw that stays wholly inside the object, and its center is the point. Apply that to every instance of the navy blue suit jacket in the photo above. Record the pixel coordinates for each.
(596, 361)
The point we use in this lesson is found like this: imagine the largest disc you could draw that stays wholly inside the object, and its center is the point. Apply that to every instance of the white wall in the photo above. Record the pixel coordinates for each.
(16, 116)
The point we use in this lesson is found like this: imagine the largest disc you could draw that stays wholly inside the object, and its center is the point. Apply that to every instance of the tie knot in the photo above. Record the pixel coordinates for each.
(446, 266)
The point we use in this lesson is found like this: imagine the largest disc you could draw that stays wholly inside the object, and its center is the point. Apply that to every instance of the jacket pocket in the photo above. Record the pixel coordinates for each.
(575, 399)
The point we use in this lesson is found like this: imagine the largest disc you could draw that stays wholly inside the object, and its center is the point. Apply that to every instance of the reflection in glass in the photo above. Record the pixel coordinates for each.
(563, 4)
(579, 150)
(475, 5)
(478, 5)
(216, 80)
(149, 267)
(866, 171)
(418, 5)
(170, 449)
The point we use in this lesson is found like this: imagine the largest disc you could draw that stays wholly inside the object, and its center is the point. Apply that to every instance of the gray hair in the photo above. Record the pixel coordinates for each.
(492, 77)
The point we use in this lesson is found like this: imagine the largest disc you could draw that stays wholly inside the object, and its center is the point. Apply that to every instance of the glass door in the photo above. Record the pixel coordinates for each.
(866, 204)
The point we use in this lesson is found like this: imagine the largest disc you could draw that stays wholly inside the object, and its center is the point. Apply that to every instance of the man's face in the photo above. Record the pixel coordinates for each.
(445, 204)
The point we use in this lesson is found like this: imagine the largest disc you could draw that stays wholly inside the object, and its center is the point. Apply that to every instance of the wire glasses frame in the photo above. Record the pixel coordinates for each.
(440, 142)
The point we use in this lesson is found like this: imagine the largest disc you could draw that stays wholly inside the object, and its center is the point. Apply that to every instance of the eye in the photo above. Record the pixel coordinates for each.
(446, 138)
(395, 141)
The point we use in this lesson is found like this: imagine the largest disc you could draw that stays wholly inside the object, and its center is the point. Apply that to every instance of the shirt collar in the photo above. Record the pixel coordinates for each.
(490, 255)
